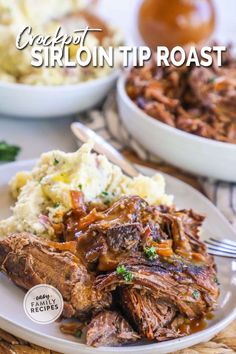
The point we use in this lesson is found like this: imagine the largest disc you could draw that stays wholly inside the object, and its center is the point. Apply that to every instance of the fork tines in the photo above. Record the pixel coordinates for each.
(225, 248)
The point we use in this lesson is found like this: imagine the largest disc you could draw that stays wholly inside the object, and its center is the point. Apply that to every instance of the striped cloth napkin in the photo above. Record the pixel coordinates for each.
(107, 123)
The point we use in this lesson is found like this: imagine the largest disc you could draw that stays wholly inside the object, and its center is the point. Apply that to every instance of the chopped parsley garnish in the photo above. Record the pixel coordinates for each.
(150, 252)
(196, 294)
(128, 276)
(56, 205)
(215, 279)
(121, 270)
(106, 198)
(78, 333)
(211, 80)
(80, 187)
(55, 162)
(8, 152)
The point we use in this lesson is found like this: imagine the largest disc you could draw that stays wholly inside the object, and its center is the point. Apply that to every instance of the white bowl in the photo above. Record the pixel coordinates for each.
(192, 153)
(28, 101)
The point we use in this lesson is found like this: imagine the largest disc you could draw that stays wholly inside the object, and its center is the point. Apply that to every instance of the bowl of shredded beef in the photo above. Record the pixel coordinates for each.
(185, 115)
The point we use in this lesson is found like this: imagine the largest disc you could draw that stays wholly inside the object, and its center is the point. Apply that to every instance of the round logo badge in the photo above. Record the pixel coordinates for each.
(43, 304)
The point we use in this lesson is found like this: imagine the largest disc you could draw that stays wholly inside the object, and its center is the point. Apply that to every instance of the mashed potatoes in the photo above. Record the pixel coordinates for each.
(45, 16)
(44, 195)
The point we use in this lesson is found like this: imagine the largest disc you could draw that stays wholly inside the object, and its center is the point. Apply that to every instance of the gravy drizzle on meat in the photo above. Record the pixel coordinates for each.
(131, 271)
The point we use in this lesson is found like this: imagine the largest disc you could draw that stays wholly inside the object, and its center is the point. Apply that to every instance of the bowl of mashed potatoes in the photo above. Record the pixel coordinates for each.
(35, 92)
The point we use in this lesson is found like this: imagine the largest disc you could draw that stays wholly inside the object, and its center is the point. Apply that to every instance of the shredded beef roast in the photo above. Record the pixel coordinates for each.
(142, 262)
(115, 233)
(110, 329)
(130, 224)
(124, 237)
(190, 288)
(149, 315)
(198, 100)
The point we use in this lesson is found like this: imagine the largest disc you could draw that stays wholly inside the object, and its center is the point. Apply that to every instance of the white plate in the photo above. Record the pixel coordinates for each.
(192, 153)
(29, 101)
(14, 320)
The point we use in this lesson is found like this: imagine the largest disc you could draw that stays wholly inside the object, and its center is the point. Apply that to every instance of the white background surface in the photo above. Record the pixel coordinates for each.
(36, 137)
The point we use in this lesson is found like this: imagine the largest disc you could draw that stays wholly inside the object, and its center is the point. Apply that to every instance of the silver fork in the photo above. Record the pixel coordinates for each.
(226, 248)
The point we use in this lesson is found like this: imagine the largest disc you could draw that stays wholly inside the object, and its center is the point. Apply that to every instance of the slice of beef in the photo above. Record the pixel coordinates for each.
(124, 237)
(189, 288)
(118, 232)
(150, 316)
(110, 329)
(30, 261)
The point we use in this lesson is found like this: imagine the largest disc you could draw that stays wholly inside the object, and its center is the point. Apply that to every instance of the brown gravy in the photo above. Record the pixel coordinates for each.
(196, 325)
(175, 22)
